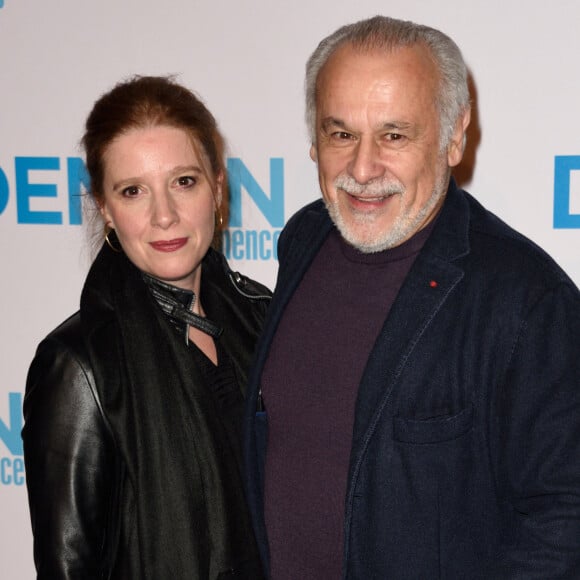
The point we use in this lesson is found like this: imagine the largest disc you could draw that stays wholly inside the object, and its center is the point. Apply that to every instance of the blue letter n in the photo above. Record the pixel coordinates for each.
(564, 165)
(272, 208)
(11, 435)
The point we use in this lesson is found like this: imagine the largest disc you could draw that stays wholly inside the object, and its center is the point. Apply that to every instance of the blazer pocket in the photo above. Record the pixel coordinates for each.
(436, 430)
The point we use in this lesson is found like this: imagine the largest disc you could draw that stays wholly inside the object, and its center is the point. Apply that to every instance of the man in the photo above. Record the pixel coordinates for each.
(420, 368)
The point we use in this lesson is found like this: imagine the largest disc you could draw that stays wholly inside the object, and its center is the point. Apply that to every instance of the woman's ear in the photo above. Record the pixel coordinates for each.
(218, 195)
(105, 213)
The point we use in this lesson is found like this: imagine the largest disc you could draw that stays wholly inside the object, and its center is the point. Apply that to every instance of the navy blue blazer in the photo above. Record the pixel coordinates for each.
(465, 459)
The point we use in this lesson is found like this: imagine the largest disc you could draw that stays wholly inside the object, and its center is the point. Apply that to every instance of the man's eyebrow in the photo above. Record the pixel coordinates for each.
(332, 122)
(390, 125)
(329, 122)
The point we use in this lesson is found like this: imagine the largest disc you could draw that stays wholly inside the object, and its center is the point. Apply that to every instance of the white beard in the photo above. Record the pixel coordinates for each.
(363, 235)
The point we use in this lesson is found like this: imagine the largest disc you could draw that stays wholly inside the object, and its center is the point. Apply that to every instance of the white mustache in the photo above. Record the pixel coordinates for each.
(377, 188)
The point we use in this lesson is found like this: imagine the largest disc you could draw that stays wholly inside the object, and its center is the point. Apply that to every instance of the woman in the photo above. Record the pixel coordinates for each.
(133, 405)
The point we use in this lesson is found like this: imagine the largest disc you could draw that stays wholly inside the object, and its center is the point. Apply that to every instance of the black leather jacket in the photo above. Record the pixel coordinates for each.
(76, 480)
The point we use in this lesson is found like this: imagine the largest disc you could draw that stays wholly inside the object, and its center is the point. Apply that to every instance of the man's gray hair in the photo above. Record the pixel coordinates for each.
(383, 33)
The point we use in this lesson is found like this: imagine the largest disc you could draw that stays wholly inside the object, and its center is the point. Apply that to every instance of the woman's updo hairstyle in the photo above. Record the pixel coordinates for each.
(149, 101)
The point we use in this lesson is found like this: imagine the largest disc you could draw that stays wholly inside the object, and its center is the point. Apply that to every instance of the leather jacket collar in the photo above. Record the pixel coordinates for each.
(176, 302)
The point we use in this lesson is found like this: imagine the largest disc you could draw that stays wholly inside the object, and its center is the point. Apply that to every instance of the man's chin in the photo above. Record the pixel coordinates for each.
(367, 242)
(359, 235)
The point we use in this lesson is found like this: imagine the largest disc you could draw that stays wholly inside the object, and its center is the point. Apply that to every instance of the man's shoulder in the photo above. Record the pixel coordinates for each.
(503, 247)
(309, 216)
(308, 221)
(304, 232)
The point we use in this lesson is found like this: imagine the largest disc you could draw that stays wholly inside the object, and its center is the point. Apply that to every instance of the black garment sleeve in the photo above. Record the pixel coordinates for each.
(69, 457)
(539, 443)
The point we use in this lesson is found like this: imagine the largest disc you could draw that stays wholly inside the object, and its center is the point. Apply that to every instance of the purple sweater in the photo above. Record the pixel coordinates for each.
(310, 384)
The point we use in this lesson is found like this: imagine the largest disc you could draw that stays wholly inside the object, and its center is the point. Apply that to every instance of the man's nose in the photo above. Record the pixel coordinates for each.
(366, 164)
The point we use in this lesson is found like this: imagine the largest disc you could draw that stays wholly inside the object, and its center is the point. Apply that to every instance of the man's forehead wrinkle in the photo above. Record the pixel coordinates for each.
(382, 125)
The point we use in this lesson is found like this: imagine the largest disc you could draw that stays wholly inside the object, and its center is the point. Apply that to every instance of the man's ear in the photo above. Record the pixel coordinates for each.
(313, 153)
(456, 145)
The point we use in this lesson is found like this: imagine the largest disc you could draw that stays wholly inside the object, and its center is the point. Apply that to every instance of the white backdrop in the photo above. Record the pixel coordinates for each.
(246, 59)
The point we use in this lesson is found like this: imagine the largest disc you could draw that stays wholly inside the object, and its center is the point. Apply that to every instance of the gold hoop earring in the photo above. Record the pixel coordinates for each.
(217, 198)
(107, 230)
(219, 217)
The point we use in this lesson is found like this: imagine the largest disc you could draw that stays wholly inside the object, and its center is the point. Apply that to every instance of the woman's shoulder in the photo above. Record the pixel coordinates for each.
(65, 341)
(216, 268)
(248, 287)
(231, 299)
(67, 333)
(60, 376)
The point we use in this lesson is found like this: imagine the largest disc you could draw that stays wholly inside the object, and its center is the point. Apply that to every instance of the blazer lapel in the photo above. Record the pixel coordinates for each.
(425, 290)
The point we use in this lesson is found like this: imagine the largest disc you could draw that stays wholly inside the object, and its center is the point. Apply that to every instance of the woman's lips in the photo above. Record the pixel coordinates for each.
(169, 245)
